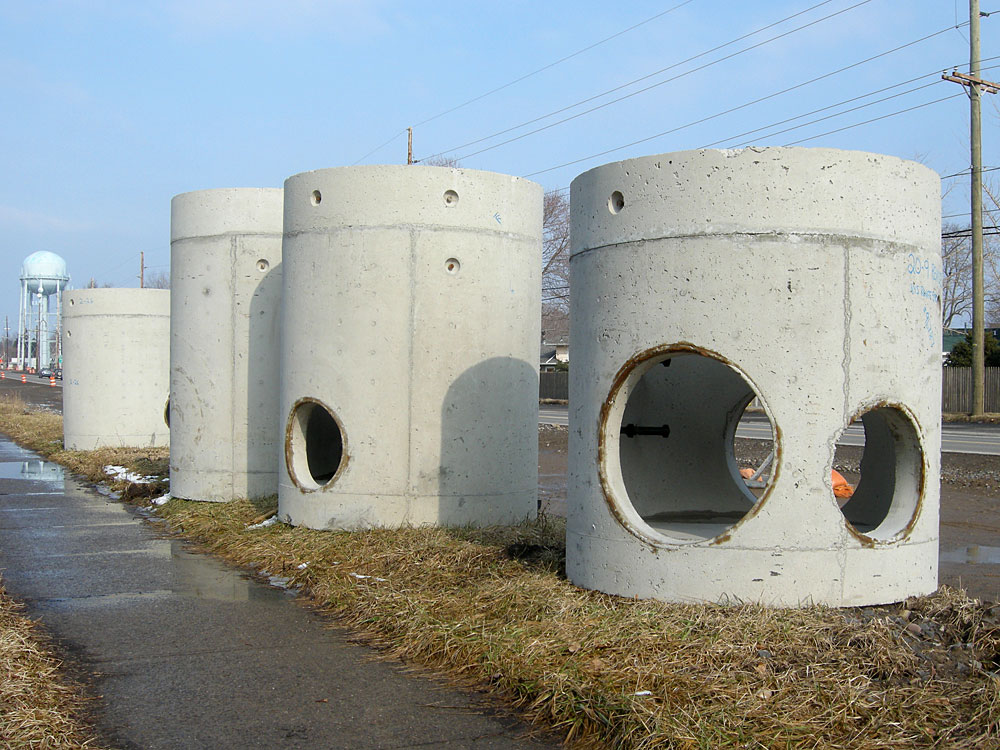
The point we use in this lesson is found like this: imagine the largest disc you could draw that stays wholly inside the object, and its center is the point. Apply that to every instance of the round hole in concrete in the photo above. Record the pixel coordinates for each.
(670, 466)
(316, 198)
(72, 301)
(881, 462)
(166, 413)
(450, 198)
(314, 445)
(616, 202)
(263, 265)
(452, 265)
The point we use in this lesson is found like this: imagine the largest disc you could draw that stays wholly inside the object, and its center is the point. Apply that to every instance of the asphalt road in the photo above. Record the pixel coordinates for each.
(978, 439)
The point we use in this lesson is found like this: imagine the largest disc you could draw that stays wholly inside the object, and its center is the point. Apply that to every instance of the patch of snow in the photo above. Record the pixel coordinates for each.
(303, 566)
(643, 692)
(161, 500)
(120, 472)
(264, 524)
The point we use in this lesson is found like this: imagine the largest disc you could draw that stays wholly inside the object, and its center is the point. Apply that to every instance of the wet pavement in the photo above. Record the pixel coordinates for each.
(189, 653)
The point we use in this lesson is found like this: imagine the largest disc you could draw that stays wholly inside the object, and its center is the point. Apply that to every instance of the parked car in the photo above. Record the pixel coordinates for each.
(58, 373)
(45, 372)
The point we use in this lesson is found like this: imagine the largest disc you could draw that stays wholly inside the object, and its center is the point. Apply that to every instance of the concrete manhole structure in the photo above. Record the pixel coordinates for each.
(409, 347)
(225, 273)
(116, 367)
(802, 285)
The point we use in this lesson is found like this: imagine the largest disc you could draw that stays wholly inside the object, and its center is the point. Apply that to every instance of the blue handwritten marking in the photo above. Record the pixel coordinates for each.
(917, 267)
(921, 291)
(497, 217)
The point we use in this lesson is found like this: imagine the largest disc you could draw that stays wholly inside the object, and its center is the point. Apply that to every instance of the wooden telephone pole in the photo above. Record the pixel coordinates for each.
(409, 146)
(142, 269)
(977, 86)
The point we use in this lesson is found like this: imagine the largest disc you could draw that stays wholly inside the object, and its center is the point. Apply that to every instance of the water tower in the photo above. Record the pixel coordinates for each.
(43, 275)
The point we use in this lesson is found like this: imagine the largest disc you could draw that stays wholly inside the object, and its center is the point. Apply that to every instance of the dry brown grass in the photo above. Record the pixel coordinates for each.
(41, 431)
(491, 608)
(39, 708)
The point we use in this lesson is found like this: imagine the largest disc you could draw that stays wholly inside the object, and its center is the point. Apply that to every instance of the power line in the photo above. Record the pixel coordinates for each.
(827, 117)
(966, 171)
(765, 98)
(874, 119)
(647, 88)
(526, 76)
(553, 64)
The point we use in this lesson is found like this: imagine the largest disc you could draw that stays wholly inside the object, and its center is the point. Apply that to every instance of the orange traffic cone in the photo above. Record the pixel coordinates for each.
(24, 378)
(52, 381)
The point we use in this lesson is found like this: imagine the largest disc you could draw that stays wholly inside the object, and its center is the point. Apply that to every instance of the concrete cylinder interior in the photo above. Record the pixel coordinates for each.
(225, 274)
(797, 290)
(116, 367)
(409, 347)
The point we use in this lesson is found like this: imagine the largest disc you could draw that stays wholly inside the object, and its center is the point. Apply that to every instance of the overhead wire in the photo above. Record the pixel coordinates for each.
(528, 75)
(553, 64)
(646, 88)
(762, 99)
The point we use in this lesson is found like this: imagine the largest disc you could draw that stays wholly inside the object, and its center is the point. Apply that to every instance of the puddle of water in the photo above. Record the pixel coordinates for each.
(204, 578)
(974, 554)
(36, 470)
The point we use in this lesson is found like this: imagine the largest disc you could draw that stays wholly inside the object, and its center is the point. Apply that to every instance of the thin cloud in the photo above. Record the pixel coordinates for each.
(12, 217)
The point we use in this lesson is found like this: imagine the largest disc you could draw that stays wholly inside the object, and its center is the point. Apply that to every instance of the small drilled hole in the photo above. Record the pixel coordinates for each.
(317, 197)
(263, 265)
(616, 202)
(452, 265)
(450, 198)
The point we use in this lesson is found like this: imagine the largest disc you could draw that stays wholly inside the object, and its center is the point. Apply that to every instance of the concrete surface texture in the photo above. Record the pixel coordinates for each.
(185, 652)
(116, 367)
(409, 373)
(225, 274)
(809, 278)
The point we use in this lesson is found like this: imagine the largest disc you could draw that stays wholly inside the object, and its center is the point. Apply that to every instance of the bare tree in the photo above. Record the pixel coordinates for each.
(158, 280)
(555, 266)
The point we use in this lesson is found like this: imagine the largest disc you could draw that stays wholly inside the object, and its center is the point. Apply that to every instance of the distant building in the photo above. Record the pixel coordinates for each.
(554, 354)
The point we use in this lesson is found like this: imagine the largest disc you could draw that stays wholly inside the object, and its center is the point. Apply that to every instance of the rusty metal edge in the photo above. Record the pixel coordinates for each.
(344, 455)
(680, 347)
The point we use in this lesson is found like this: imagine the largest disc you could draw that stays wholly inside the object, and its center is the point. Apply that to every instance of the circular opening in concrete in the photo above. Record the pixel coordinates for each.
(316, 198)
(166, 413)
(450, 198)
(314, 445)
(879, 479)
(452, 265)
(616, 202)
(754, 448)
(669, 444)
(263, 265)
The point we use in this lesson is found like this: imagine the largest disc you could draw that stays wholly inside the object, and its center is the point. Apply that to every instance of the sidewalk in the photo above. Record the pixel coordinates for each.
(188, 653)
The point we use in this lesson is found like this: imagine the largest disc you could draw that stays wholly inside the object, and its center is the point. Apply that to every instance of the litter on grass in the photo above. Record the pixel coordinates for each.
(264, 524)
(120, 472)
(365, 578)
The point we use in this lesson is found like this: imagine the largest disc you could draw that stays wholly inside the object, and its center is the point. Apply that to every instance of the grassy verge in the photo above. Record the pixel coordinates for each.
(39, 708)
(491, 607)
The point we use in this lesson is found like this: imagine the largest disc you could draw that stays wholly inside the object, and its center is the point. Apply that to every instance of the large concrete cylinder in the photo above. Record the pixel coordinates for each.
(409, 347)
(225, 274)
(116, 367)
(808, 279)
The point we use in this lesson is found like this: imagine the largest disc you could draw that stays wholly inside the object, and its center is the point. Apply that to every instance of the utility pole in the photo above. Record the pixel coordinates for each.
(977, 86)
(142, 269)
(409, 146)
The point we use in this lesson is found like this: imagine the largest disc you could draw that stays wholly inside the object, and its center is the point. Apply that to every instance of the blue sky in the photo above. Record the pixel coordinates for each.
(111, 108)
